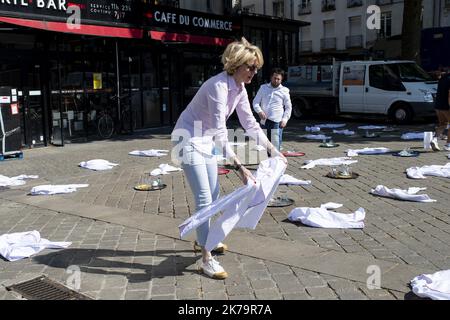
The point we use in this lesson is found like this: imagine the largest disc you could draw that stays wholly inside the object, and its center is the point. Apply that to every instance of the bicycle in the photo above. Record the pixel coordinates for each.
(104, 122)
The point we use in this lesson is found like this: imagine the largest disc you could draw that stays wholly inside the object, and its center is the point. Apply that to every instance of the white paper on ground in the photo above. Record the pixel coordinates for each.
(149, 153)
(312, 129)
(97, 165)
(435, 286)
(331, 125)
(49, 189)
(309, 164)
(323, 217)
(434, 170)
(15, 181)
(164, 169)
(367, 151)
(16, 246)
(408, 195)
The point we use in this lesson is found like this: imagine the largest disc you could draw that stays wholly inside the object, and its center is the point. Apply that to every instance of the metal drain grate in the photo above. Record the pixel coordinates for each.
(43, 288)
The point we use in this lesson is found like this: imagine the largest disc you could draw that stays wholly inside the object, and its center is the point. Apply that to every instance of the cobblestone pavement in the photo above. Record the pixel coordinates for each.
(122, 262)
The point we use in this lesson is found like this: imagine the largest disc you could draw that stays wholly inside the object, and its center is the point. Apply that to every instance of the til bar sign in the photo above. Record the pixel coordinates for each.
(95, 11)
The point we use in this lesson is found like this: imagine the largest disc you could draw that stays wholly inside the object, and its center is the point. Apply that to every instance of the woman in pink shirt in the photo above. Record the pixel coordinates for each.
(202, 128)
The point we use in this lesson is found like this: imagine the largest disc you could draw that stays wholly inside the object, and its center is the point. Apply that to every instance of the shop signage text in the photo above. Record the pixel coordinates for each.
(196, 21)
(43, 4)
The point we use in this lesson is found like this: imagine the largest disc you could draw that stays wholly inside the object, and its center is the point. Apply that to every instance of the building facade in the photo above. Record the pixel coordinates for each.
(138, 62)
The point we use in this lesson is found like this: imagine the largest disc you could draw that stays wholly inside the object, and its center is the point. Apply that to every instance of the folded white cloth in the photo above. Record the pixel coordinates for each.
(16, 246)
(312, 129)
(413, 136)
(49, 189)
(309, 164)
(324, 218)
(372, 127)
(355, 153)
(242, 208)
(149, 153)
(164, 169)
(331, 125)
(435, 286)
(15, 181)
(434, 170)
(316, 137)
(97, 165)
(344, 132)
(409, 195)
(290, 180)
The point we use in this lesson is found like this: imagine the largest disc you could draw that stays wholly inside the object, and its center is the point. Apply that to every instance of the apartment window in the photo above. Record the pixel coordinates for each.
(354, 3)
(249, 9)
(304, 7)
(386, 25)
(328, 5)
(278, 9)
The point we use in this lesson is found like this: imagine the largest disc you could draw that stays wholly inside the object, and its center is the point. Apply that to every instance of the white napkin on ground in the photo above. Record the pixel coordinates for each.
(413, 136)
(97, 165)
(434, 170)
(309, 164)
(409, 195)
(316, 137)
(15, 181)
(149, 153)
(435, 286)
(372, 127)
(164, 169)
(355, 153)
(324, 218)
(290, 180)
(49, 189)
(16, 246)
(312, 129)
(345, 132)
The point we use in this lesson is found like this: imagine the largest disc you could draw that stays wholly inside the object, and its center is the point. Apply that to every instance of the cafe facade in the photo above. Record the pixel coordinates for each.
(69, 64)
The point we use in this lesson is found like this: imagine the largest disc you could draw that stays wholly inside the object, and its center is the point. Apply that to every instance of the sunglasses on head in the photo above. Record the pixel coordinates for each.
(252, 67)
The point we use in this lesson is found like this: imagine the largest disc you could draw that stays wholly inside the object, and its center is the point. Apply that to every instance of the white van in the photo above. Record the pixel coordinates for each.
(398, 89)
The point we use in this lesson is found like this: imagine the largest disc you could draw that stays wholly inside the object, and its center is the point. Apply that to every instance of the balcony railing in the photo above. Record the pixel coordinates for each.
(354, 3)
(354, 41)
(328, 43)
(306, 46)
(304, 10)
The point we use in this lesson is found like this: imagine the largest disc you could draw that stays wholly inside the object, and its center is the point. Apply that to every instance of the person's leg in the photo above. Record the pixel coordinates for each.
(442, 122)
(447, 122)
(275, 134)
(280, 131)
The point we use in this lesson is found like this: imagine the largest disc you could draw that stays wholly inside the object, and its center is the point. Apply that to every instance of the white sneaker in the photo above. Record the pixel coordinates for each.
(220, 248)
(213, 269)
(434, 145)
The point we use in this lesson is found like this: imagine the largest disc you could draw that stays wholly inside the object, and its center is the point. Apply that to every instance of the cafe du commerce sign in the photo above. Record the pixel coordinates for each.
(91, 11)
(172, 19)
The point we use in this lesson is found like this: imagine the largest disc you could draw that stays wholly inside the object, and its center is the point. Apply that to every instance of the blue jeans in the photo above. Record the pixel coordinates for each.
(201, 173)
(274, 133)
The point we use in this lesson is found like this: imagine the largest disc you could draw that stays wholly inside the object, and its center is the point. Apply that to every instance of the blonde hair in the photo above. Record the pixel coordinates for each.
(240, 52)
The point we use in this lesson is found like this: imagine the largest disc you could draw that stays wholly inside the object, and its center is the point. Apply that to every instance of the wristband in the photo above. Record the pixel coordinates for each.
(237, 167)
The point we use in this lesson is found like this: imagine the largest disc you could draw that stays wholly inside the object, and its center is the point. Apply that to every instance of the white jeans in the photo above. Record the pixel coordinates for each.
(201, 172)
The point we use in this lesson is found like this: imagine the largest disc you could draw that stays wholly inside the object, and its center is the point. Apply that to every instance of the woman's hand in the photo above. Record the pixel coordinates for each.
(275, 153)
(245, 175)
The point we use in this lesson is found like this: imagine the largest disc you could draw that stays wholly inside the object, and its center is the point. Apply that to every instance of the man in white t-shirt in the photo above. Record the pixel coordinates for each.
(274, 107)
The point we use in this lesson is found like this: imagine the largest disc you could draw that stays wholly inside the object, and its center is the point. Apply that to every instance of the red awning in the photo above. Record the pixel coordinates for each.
(189, 38)
(94, 30)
